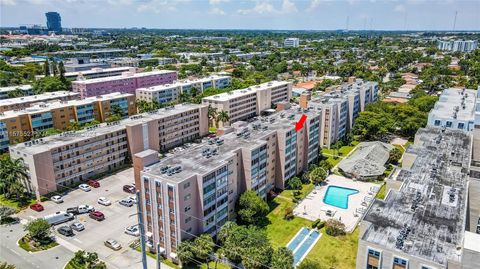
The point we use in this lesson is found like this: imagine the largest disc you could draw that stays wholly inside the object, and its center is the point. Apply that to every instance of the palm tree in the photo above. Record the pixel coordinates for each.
(223, 117)
(13, 177)
(212, 115)
(74, 126)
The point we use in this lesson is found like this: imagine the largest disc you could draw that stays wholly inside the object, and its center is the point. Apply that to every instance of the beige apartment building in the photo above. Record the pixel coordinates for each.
(195, 190)
(26, 101)
(21, 125)
(247, 103)
(60, 160)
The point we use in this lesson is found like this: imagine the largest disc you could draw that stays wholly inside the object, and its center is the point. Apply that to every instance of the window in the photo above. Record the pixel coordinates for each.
(187, 208)
(187, 220)
(449, 124)
(187, 197)
(461, 125)
(399, 263)
(186, 185)
(437, 123)
(373, 259)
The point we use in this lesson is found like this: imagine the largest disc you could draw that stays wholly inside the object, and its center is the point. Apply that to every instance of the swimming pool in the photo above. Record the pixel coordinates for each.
(338, 196)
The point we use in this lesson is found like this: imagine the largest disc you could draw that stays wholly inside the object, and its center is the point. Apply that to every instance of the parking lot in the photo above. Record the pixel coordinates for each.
(117, 217)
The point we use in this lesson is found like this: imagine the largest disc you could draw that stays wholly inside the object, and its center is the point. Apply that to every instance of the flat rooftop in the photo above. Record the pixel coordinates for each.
(193, 161)
(242, 92)
(426, 216)
(456, 104)
(12, 88)
(180, 83)
(54, 141)
(38, 98)
(127, 75)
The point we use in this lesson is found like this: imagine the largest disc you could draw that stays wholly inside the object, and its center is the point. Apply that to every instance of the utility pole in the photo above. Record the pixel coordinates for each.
(142, 230)
(159, 257)
(455, 20)
(348, 21)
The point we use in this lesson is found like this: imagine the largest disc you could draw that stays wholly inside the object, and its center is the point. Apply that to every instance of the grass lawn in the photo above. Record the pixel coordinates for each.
(340, 251)
(306, 189)
(281, 231)
(342, 152)
(381, 193)
(15, 204)
(212, 129)
(25, 243)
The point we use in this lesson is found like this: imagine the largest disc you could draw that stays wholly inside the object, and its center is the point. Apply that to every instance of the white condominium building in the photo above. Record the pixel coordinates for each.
(455, 109)
(170, 92)
(291, 42)
(458, 45)
(250, 102)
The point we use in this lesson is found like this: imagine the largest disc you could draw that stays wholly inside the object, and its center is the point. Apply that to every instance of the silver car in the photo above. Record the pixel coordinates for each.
(77, 226)
(113, 244)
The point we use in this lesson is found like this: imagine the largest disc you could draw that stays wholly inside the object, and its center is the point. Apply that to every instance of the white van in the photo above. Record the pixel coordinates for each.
(58, 217)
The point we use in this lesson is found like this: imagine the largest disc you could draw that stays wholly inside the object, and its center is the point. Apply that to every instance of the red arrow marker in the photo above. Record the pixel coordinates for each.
(300, 122)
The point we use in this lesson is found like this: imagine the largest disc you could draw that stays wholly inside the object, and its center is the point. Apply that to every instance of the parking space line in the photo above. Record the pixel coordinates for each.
(77, 240)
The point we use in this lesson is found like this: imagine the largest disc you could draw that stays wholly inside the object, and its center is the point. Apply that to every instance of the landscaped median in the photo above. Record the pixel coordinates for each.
(31, 245)
(85, 260)
(38, 237)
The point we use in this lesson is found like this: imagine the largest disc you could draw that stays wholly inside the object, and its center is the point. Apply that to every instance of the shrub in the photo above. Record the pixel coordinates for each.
(288, 213)
(320, 225)
(315, 223)
(334, 227)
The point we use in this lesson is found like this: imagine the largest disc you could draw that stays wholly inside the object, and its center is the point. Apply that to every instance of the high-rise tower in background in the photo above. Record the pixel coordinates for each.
(54, 21)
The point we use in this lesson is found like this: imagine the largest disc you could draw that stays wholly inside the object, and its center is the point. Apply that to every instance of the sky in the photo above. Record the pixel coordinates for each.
(249, 14)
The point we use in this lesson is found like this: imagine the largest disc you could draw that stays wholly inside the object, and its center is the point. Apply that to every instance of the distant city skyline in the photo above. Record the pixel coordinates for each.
(248, 14)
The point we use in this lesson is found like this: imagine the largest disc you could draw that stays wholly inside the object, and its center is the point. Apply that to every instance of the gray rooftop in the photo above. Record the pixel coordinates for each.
(193, 161)
(426, 217)
(456, 104)
(368, 159)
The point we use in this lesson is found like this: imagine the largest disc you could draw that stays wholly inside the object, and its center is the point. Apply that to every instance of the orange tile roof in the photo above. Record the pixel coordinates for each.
(308, 85)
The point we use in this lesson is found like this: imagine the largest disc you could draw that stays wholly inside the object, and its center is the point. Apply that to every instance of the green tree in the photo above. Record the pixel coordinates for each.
(15, 93)
(282, 258)
(74, 126)
(203, 247)
(50, 84)
(39, 230)
(61, 71)
(395, 156)
(309, 264)
(334, 227)
(5, 265)
(251, 208)
(317, 175)
(294, 183)
(185, 252)
(223, 117)
(54, 68)
(46, 68)
(13, 177)
(212, 115)
(6, 212)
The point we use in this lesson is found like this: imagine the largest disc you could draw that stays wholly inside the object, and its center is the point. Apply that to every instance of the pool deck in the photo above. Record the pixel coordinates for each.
(313, 207)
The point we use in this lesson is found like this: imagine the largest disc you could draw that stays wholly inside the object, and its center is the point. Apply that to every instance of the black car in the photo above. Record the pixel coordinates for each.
(73, 210)
(66, 231)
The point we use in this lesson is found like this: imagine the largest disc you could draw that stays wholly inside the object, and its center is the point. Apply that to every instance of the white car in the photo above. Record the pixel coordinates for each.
(77, 226)
(84, 187)
(126, 202)
(82, 209)
(104, 201)
(132, 230)
(133, 198)
(57, 199)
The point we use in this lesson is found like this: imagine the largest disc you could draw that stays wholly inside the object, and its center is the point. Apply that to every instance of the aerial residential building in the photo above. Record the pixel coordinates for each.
(60, 160)
(196, 189)
(455, 109)
(126, 83)
(291, 42)
(250, 102)
(170, 92)
(340, 107)
(26, 101)
(458, 45)
(83, 64)
(54, 22)
(9, 92)
(95, 73)
(421, 224)
(3, 137)
(21, 125)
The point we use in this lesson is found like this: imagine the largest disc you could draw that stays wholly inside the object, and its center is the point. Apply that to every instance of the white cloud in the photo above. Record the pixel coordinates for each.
(156, 6)
(216, 11)
(265, 7)
(399, 8)
(216, 2)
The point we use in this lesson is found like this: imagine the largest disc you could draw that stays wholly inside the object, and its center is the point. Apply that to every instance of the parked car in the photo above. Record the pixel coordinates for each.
(85, 209)
(57, 199)
(58, 217)
(73, 210)
(104, 201)
(133, 198)
(133, 230)
(129, 189)
(126, 202)
(37, 207)
(84, 187)
(65, 230)
(93, 183)
(77, 226)
(97, 215)
(113, 244)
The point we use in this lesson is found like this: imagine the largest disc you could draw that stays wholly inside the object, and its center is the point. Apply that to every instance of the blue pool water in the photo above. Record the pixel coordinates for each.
(298, 239)
(338, 196)
(302, 250)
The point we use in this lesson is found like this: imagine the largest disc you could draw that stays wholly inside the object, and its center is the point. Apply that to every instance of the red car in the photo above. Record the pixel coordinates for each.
(93, 183)
(37, 207)
(97, 215)
(129, 189)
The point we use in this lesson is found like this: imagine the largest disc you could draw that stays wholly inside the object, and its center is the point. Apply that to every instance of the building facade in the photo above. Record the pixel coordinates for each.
(128, 82)
(291, 42)
(26, 101)
(54, 22)
(247, 103)
(61, 160)
(458, 45)
(12, 91)
(171, 92)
